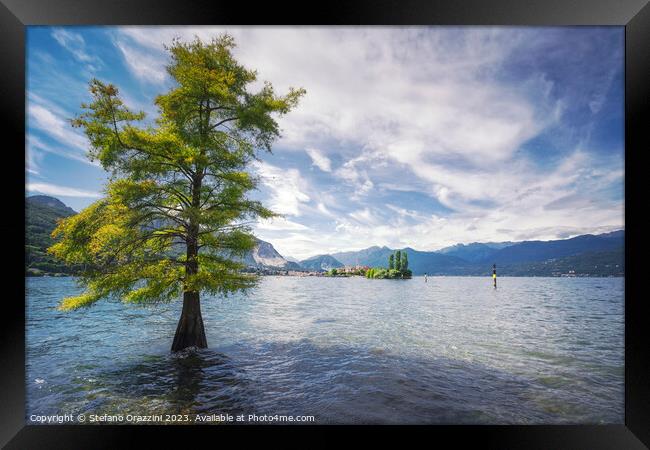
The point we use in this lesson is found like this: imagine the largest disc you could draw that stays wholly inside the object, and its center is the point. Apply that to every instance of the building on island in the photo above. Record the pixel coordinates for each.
(353, 269)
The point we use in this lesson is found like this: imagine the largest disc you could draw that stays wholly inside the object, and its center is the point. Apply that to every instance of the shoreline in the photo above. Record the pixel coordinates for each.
(323, 275)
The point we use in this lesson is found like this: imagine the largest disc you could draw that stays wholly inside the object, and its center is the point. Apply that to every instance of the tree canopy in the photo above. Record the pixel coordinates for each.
(176, 215)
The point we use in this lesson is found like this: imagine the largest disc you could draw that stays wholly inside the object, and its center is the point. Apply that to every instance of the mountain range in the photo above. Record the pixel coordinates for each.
(588, 254)
(592, 254)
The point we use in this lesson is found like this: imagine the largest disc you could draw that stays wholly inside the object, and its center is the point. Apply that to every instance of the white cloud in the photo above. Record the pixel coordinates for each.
(76, 45)
(32, 162)
(413, 110)
(62, 191)
(392, 90)
(50, 120)
(364, 217)
(319, 160)
(403, 212)
(46, 120)
(554, 204)
(354, 173)
(286, 187)
(279, 224)
(324, 209)
(35, 147)
(143, 65)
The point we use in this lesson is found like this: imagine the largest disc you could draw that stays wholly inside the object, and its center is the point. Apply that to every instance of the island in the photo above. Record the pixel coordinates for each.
(398, 268)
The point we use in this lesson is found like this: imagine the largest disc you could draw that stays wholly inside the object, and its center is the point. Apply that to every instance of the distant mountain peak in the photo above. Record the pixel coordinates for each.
(613, 234)
(265, 255)
(51, 202)
(472, 252)
(321, 262)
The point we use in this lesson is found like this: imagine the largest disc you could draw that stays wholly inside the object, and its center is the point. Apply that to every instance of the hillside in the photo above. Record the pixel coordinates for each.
(321, 263)
(473, 252)
(469, 252)
(351, 258)
(529, 251)
(434, 263)
(605, 264)
(41, 216)
(372, 256)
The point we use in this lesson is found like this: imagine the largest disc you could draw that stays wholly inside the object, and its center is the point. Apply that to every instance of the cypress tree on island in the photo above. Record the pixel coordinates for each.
(405, 262)
(175, 216)
(398, 260)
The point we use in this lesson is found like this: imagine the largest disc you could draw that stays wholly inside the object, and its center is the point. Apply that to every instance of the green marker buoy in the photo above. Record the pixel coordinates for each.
(494, 275)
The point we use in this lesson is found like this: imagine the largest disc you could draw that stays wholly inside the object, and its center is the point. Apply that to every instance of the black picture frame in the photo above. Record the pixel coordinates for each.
(634, 15)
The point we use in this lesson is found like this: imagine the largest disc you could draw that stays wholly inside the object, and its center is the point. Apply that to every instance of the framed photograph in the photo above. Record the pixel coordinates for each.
(404, 214)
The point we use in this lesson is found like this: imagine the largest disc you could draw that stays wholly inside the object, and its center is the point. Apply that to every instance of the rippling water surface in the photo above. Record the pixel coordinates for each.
(345, 350)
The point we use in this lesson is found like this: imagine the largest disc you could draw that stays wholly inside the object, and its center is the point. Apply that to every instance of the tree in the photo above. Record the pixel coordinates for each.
(391, 261)
(176, 214)
(405, 262)
(398, 260)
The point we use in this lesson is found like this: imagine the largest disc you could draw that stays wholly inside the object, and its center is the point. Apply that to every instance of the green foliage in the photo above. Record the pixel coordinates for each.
(370, 273)
(380, 272)
(377, 272)
(176, 211)
(405, 262)
(394, 273)
(398, 261)
(397, 267)
(332, 272)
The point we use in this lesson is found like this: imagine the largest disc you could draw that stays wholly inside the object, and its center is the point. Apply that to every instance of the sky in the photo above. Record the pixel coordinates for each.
(419, 137)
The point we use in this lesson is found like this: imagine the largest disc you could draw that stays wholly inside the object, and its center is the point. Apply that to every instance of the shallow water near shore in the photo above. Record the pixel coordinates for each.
(344, 350)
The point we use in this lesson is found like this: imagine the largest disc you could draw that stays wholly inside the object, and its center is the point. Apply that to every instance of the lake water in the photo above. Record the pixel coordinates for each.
(344, 350)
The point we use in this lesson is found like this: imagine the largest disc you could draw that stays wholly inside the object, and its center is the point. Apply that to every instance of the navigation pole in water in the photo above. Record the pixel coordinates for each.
(494, 274)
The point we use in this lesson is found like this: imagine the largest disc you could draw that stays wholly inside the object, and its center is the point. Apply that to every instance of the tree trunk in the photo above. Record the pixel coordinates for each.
(190, 331)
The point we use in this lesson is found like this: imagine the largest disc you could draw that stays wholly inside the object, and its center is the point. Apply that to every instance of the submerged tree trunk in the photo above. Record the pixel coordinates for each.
(190, 331)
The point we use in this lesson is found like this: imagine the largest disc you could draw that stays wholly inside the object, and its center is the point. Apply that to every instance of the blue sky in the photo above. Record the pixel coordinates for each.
(419, 136)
